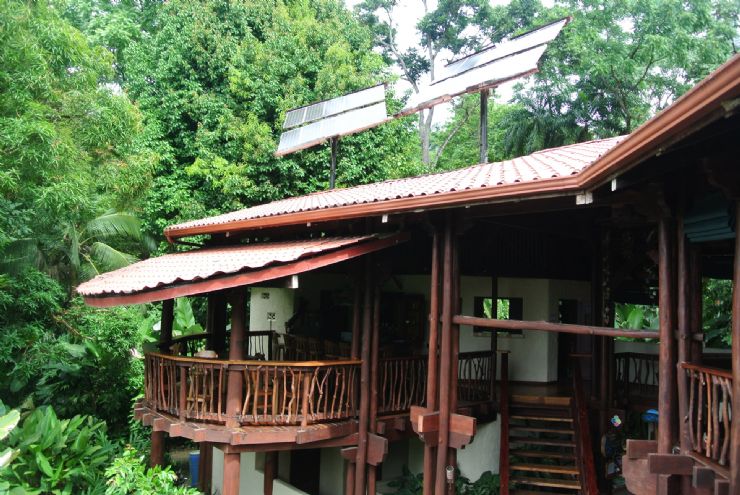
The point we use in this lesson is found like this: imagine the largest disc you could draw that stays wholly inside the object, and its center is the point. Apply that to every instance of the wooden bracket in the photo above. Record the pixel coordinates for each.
(670, 464)
(703, 478)
(639, 449)
(426, 424)
(377, 448)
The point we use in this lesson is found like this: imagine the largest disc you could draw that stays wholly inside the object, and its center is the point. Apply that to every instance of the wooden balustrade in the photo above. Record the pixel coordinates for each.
(402, 383)
(636, 376)
(275, 392)
(475, 370)
(301, 392)
(709, 411)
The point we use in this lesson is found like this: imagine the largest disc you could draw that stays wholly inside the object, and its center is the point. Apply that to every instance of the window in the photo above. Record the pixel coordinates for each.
(507, 308)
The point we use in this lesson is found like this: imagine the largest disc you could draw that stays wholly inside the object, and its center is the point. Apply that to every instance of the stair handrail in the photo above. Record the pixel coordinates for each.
(504, 409)
(584, 445)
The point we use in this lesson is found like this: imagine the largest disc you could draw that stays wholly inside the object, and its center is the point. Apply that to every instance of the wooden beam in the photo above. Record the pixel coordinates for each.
(667, 353)
(695, 299)
(456, 440)
(270, 472)
(374, 356)
(734, 487)
(546, 326)
(670, 464)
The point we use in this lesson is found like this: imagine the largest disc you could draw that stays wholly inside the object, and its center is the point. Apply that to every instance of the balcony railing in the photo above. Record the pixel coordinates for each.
(300, 392)
(274, 393)
(709, 411)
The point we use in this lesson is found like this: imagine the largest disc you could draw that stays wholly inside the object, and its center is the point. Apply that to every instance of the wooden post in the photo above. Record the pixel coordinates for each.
(156, 455)
(374, 357)
(695, 300)
(205, 466)
(494, 336)
(356, 319)
(236, 352)
(454, 347)
(667, 354)
(445, 361)
(270, 471)
(504, 406)
(432, 361)
(735, 427)
(363, 418)
(165, 329)
(349, 478)
(217, 321)
(231, 474)
(483, 129)
(684, 334)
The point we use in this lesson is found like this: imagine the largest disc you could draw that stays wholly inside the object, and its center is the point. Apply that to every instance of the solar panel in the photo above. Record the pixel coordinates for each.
(343, 124)
(327, 108)
(536, 37)
(508, 60)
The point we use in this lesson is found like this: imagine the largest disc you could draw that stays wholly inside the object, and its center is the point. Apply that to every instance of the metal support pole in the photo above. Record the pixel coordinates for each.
(333, 173)
(484, 126)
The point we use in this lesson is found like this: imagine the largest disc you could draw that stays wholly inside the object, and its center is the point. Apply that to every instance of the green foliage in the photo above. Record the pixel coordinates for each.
(57, 456)
(717, 313)
(214, 82)
(8, 421)
(129, 475)
(636, 316)
(616, 64)
(412, 484)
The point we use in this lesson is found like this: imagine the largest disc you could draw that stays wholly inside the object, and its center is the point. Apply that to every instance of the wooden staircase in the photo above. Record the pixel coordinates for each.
(542, 446)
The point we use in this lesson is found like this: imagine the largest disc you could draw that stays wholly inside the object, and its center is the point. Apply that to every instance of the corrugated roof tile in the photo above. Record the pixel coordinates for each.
(543, 165)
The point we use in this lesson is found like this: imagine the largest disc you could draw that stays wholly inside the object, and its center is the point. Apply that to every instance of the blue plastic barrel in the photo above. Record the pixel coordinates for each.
(194, 463)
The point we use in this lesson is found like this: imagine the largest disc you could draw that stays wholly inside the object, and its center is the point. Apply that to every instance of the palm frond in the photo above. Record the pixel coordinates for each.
(114, 224)
(107, 258)
(20, 255)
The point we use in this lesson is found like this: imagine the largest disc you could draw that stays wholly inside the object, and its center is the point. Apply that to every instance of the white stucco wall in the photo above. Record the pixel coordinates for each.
(483, 452)
(264, 300)
(250, 478)
(331, 478)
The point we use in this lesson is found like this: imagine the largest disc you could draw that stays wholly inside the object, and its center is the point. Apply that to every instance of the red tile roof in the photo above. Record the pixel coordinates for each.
(540, 166)
(201, 264)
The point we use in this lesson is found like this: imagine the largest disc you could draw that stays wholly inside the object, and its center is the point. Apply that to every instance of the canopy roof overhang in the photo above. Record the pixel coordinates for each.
(211, 269)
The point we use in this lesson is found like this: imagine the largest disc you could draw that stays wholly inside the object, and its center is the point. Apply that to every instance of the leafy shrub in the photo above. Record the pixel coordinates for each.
(129, 475)
(58, 456)
(8, 421)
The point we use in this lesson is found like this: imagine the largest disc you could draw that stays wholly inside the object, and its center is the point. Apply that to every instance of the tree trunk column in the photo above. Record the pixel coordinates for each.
(735, 440)
(667, 354)
(363, 417)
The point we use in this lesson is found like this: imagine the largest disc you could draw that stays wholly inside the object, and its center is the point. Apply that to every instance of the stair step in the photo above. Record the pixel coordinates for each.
(540, 400)
(541, 429)
(532, 417)
(541, 441)
(542, 454)
(547, 482)
(545, 468)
